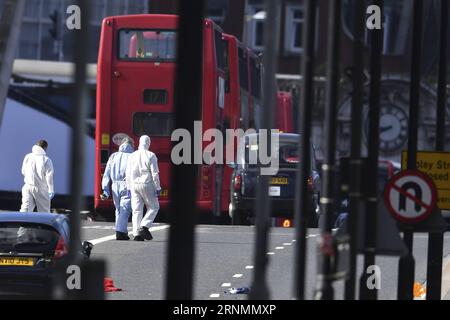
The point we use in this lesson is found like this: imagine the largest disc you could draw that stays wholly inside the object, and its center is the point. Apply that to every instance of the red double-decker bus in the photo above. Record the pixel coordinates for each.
(284, 118)
(135, 96)
(243, 99)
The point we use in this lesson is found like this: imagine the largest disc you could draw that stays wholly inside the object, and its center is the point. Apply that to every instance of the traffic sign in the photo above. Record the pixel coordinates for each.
(410, 196)
(437, 166)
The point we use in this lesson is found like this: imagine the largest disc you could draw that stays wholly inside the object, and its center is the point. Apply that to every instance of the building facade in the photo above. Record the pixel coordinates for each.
(44, 35)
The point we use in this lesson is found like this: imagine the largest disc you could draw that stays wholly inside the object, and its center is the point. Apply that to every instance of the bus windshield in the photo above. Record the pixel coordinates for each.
(151, 45)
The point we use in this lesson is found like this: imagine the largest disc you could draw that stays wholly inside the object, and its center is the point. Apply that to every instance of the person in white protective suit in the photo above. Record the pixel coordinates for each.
(115, 172)
(37, 169)
(142, 178)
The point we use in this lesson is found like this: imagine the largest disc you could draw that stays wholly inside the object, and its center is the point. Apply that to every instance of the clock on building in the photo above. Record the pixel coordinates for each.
(393, 128)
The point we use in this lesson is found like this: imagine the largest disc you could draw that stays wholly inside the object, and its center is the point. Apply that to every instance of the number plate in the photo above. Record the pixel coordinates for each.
(279, 180)
(274, 191)
(17, 261)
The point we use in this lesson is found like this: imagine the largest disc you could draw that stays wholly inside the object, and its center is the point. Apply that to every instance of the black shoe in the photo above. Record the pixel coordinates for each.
(122, 236)
(144, 233)
(138, 238)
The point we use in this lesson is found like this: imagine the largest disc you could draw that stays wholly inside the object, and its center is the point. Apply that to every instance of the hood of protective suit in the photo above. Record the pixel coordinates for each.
(144, 142)
(126, 148)
(37, 150)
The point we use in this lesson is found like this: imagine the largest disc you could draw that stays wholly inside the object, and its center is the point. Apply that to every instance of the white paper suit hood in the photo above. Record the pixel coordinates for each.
(37, 150)
(144, 142)
(126, 147)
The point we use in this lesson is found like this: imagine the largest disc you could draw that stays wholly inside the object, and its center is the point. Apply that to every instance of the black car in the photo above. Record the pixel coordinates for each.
(31, 246)
(281, 191)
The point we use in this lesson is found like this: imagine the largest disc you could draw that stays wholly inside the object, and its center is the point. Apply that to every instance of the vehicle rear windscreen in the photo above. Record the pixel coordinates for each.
(27, 237)
(153, 123)
(151, 45)
(287, 152)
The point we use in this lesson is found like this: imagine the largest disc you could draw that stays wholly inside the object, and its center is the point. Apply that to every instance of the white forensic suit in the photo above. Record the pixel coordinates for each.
(37, 170)
(142, 179)
(115, 172)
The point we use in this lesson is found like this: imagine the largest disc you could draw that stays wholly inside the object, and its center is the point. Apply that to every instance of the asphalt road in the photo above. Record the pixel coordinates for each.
(224, 259)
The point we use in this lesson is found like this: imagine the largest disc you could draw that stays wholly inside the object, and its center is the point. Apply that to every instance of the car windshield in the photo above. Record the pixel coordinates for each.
(27, 237)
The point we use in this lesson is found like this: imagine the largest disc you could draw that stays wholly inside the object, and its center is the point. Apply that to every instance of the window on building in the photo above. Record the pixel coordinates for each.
(29, 41)
(216, 10)
(395, 21)
(293, 31)
(98, 11)
(253, 26)
(217, 15)
(36, 42)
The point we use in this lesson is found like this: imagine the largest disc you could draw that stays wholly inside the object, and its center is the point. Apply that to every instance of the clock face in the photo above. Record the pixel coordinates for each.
(393, 128)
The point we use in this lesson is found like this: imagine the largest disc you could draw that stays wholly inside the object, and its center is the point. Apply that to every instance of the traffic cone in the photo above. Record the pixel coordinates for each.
(109, 285)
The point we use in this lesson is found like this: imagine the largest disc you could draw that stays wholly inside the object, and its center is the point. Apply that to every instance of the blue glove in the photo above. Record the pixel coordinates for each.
(104, 195)
(51, 195)
(158, 192)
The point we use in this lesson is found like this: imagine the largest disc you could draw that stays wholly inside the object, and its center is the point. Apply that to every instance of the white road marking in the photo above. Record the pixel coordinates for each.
(112, 237)
(214, 295)
(287, 244)
(294, 240)
(279, 248)
(99, 227)
(270, 253)
(248, 267)
(226, 284)
(237, 275)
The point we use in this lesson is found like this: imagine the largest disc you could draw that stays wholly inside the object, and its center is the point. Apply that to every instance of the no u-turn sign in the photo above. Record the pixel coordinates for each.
(410, 196)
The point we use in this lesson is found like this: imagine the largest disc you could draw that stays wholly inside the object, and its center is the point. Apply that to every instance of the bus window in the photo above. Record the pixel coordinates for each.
(243, 71)
(255, 69)
(255, 73)
(152, 123)
(221, 52)
(154, 45)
